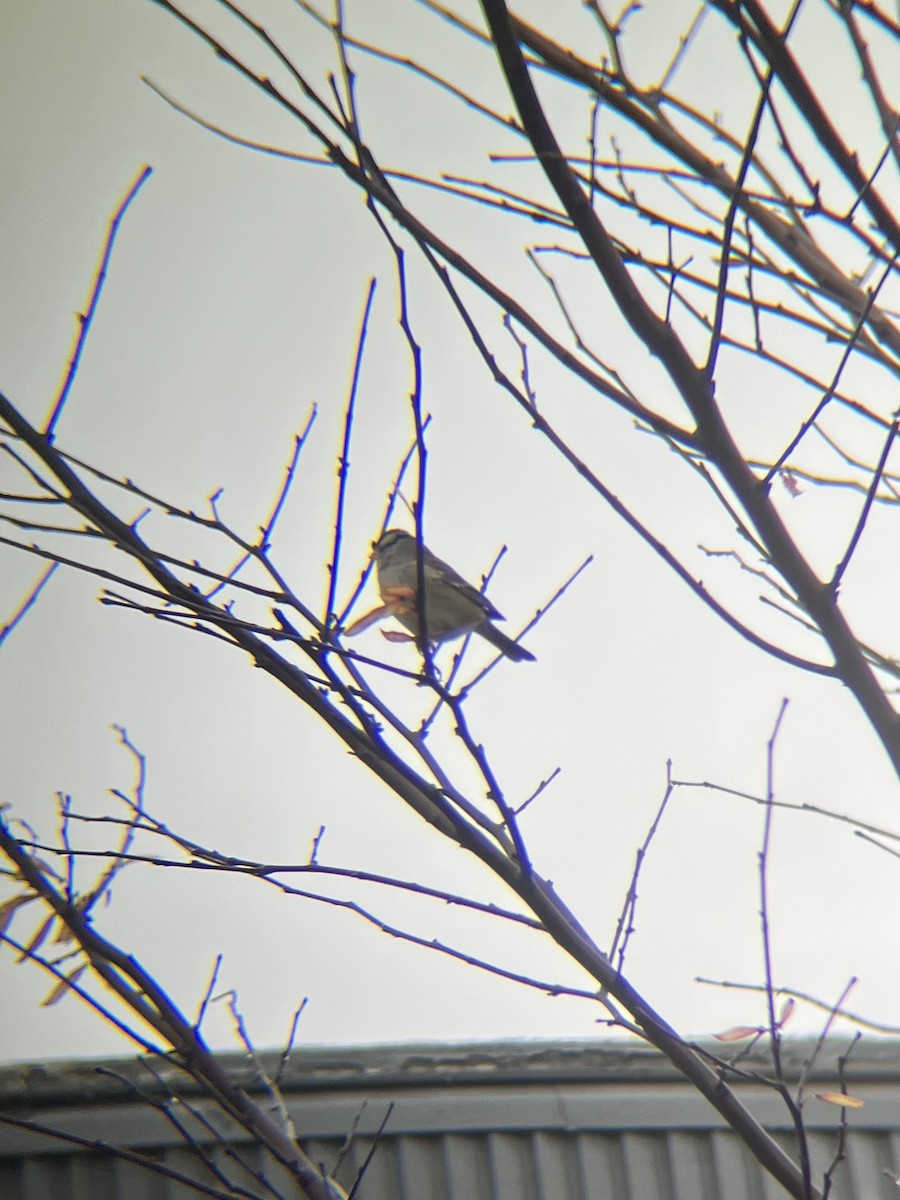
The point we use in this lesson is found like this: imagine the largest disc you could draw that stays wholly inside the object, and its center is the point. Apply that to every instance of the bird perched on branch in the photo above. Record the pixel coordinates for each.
(452, 606)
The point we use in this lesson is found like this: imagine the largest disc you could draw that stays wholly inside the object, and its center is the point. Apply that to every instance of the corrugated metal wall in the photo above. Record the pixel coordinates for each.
(469, 1123)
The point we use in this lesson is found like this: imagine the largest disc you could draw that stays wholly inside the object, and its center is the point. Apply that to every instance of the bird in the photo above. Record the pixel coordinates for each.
(453, 607)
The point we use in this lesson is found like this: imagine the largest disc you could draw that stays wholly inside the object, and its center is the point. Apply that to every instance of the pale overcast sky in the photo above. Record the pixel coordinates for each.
(232, 306)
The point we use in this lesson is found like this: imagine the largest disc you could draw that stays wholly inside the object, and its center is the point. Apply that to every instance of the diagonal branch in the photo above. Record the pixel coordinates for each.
(696, 391)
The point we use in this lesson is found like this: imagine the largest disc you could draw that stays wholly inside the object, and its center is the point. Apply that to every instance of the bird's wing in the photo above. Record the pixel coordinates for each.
(439, 570)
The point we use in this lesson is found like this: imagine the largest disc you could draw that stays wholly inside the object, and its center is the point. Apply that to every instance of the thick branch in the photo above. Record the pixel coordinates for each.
(696, 390)
(430, 802)
(124, 975)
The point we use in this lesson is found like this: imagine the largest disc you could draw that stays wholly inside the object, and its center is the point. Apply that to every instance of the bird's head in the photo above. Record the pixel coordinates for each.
(390, 539)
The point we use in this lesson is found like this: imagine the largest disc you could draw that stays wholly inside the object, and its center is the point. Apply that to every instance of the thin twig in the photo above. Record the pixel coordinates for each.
(28, 603)
(343, 471)
(866, 508)
(85, 319)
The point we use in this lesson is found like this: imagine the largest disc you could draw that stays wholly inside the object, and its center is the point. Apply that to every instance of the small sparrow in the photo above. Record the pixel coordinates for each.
(452, 606)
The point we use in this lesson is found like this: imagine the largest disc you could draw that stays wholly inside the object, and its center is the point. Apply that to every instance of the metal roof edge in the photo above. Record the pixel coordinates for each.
(430, 1064)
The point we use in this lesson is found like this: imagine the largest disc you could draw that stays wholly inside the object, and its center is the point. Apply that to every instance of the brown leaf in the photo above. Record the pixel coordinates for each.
(46, 868)
(39, 938)
(789, 479)
(369, 618)
(841, 1099)
(57, 993)
(737, 1033)
(8, 908)
(63, 936)
(786, 1011)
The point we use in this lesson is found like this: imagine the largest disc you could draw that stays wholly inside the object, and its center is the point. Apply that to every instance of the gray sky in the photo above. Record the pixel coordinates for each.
(232, 306)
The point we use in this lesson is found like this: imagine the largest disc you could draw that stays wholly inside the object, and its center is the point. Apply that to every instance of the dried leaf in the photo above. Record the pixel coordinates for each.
(63, 936)
(46, 868)
(57, 993)
(369, 618)
(737, 1033)
(8, 908)
(39, 938)
(841, 1099)
(395, 635)
(786, 1011)
(789, 479)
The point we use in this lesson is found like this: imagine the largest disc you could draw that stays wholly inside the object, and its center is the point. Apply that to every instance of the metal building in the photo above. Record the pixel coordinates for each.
(514, 1121)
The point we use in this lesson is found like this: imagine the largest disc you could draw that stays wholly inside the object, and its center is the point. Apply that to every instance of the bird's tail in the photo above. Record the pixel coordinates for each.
(510, 648)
